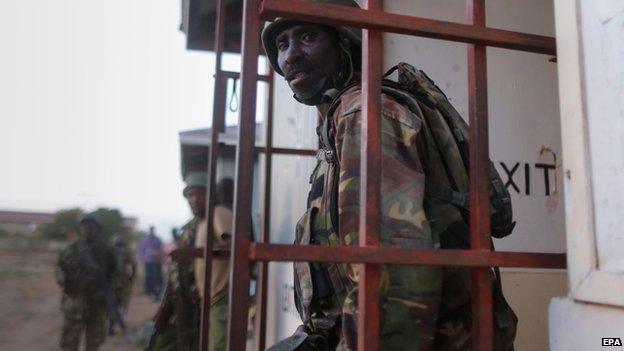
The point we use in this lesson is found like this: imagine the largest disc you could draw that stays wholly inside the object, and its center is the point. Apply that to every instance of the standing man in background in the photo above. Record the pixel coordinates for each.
(151, 253)
(220, 265)
(178, 318)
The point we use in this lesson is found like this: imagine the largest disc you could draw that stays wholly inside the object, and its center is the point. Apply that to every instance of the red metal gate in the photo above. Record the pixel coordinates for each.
(244, 252)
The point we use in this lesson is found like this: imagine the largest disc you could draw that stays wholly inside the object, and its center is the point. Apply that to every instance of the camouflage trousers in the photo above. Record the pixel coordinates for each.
(78, 318)
(409, 301)
(217, 335)
(418, 318)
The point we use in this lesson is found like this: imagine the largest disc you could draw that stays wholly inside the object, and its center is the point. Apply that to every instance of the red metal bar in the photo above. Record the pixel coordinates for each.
(286, 151)
(261, 297)
(410, 25)
(188, 254)
(394, 255)
(275, 150)
(240, 265)
(480, 239)
(369, 327)
(218, 122)
(236, 75)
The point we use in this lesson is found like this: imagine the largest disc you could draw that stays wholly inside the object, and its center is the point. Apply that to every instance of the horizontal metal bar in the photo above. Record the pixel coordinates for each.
(276, 150)
(410, 25)
(286, 151)
(392, 255)
(187, 254)
(236, 75)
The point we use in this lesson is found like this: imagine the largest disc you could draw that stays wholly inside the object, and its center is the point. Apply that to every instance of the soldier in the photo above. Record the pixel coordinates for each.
(177, 322)
(80, 268)
(126, 268)
(423, 307)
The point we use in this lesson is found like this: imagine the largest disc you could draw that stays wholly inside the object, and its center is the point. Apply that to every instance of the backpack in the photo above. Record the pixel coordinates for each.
(414, 87)
(417, 83)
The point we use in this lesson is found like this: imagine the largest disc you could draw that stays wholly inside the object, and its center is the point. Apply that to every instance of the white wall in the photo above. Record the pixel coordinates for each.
(524, 120)
(591, 49)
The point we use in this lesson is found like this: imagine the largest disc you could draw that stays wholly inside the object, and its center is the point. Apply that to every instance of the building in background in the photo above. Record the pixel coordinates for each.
(30, 223)
(194, 151)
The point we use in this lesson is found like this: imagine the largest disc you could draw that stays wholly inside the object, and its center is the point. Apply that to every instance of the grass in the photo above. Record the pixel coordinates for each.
(7, 273)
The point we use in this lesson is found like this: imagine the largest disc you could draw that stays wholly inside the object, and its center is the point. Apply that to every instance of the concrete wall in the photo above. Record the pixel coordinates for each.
(524, 130)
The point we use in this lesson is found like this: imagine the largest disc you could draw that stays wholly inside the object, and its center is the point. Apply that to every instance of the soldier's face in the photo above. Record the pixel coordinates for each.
(306, 54)
(89, 230)
(196, 197)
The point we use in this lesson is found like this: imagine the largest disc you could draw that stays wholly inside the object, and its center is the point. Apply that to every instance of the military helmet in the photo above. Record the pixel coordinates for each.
(195, 179)
(90, 217)
(272, 29)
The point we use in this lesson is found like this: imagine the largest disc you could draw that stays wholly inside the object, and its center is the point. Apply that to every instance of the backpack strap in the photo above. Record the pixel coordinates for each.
(327, 152)
(448, 195)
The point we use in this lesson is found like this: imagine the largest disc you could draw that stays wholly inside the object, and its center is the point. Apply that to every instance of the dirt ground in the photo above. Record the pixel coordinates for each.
(30, 302)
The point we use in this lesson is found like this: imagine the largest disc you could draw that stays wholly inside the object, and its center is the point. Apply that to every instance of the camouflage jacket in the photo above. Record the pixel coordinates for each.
(75, 278)
(126, 268)
(178, 314)
(409, 295)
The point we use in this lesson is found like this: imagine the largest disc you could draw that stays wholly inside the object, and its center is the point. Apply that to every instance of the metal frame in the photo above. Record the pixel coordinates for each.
(244, 252)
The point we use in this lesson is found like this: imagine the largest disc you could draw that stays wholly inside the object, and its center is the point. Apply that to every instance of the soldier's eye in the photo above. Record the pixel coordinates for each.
(307, 37)
(281, 46)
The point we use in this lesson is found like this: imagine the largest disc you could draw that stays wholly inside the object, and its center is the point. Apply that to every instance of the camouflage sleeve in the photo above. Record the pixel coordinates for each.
(59, 271)
(409, 295)
(113, 270)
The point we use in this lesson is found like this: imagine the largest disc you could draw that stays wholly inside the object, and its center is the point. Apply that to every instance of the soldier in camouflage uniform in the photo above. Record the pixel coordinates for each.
(83, 304)
(126, 272)
(179, 313)
(423, 307)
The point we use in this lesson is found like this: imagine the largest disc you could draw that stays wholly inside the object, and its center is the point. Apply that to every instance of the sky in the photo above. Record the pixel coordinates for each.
(92, 97)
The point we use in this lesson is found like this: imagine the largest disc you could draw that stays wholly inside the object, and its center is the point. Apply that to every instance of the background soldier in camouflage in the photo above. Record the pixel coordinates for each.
(423, 307)
(126, 269)
(83, 303)
(185, 283)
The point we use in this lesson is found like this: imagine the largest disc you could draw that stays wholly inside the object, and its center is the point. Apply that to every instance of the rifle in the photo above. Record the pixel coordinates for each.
(102, 284)
(179, 298)
(164, 313)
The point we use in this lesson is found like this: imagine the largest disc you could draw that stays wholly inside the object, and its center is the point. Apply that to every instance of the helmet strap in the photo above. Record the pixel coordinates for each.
(314, 95)
(345, 74)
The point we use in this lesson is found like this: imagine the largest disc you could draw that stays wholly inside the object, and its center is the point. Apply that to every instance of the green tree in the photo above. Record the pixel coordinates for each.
(64, 223)
(112, 223)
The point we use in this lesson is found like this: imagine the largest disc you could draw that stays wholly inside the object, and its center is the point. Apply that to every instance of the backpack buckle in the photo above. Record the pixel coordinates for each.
(326, 155)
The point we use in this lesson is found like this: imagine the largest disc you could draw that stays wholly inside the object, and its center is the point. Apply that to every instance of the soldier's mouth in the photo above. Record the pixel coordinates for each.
(296, 75)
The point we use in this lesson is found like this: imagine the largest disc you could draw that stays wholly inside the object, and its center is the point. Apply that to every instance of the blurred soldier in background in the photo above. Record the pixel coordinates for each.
(126, 268)
(178, 318)
(151, 253)
(85, 270)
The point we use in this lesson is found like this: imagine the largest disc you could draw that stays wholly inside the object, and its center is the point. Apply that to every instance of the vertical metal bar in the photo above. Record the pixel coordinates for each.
(218, 120)
(266, 224)
(481, 278)
(369, 327)
(239, 259)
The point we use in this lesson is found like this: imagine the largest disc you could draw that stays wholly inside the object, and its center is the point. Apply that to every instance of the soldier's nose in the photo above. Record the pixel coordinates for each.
(293, 53)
